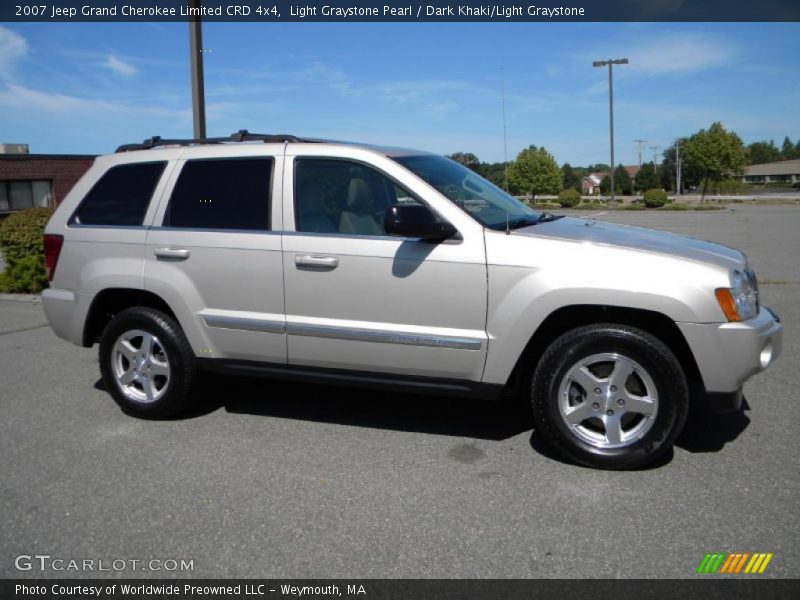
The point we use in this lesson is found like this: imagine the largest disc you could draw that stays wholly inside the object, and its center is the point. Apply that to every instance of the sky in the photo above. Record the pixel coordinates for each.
(88, 87)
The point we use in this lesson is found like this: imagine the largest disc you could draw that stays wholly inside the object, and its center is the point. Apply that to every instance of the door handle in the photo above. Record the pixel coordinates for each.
(312, 261)
(172, 253)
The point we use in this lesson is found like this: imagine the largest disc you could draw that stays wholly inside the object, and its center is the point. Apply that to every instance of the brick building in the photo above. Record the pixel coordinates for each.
(28, 180)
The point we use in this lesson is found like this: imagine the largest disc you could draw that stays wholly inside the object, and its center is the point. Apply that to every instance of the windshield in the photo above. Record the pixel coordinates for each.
(483, 200)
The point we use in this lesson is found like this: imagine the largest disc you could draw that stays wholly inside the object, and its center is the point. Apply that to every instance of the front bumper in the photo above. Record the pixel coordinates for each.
(728, 354)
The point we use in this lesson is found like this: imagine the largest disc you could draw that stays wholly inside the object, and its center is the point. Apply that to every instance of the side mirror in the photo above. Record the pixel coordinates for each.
(418, 221)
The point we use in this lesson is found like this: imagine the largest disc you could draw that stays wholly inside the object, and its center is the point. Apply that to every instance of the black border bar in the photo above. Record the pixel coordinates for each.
(708, 587)
(404, 10)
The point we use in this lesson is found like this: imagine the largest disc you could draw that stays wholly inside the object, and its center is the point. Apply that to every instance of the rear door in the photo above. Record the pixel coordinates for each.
(215, 253)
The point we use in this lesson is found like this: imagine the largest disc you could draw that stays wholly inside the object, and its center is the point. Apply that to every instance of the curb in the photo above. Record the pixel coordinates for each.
(32, 298)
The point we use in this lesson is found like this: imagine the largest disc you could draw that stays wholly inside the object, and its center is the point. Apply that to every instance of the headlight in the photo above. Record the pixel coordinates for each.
(740, 301)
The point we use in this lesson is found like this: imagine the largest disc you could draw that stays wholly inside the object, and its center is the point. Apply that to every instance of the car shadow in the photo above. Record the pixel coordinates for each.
(462, 417)
(709, 432)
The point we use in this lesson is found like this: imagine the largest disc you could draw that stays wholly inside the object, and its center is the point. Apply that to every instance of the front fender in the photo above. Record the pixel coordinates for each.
(550, 275)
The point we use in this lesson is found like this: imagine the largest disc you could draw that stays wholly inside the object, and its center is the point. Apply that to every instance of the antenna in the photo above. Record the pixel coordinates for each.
(505, 138)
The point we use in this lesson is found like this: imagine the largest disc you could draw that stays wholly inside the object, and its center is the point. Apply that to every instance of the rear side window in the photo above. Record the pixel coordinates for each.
(229, 193)
(121, 196)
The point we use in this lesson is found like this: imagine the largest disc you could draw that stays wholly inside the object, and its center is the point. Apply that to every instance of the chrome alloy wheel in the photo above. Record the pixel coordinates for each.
(140, 366)
(608, 400)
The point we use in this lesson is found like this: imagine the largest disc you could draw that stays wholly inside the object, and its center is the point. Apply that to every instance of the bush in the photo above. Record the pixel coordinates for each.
(24, 275)
(569, 198)
(542, 205)
(23, 250)
(655, 198)
(591, 206)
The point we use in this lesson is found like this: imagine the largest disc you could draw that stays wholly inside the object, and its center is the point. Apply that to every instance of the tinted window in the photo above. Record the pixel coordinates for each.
(340, 196)
(230, 193)
(121, 196)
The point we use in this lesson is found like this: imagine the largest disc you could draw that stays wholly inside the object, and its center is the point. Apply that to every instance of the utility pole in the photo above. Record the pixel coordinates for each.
(678, 167)
(639, 144)
(610, 64)
(198, 85)
(655, 149)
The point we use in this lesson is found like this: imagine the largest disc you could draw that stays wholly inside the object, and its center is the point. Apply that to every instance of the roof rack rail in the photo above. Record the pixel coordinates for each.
(240, 136)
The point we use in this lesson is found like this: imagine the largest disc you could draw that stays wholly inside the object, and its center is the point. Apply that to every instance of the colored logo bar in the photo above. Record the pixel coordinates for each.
(735, 562)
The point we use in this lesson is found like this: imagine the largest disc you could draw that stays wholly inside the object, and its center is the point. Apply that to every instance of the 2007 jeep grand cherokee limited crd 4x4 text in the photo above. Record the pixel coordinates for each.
(347, 263)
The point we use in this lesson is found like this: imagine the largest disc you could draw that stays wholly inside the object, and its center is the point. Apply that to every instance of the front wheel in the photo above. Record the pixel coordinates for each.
(609, 396)
(147, 363)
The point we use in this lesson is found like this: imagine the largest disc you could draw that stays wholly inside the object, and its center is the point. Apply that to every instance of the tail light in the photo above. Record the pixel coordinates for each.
(52, 248)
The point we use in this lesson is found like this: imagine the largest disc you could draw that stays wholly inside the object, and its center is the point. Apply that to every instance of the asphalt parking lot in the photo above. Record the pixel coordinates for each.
(291, 480)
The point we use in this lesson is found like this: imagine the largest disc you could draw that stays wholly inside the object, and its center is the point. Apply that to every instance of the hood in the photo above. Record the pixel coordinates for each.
(636, 238)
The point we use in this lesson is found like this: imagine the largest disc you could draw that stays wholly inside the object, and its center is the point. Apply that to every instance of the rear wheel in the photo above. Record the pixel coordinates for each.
(147, 363)
(609, 396)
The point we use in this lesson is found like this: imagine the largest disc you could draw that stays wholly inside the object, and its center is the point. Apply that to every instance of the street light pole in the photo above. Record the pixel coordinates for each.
(610, 63)
(198, 85)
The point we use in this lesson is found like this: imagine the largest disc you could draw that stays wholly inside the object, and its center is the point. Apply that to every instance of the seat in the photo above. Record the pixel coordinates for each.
(364, 212)
(310, 207)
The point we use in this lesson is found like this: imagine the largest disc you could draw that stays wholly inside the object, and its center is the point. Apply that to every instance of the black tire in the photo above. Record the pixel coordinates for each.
(658, 363)
(174, 395)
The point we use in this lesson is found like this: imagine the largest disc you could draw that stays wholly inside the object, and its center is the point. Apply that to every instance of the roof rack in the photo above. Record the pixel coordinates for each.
(240, 136)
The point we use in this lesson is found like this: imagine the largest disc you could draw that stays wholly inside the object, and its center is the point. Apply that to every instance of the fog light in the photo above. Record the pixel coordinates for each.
(766, 355)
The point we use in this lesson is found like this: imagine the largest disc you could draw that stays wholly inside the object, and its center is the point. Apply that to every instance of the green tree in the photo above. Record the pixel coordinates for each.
(535, 171)
(572, 178)
(468, 159)
(787, 149)
(717, 153)
(647, 178)
(622, 181)
(762, 152)
(691, 176)
(494, 172)
(605, 184)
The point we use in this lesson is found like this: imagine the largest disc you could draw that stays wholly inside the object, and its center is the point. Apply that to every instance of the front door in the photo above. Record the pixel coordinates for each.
(361, 300)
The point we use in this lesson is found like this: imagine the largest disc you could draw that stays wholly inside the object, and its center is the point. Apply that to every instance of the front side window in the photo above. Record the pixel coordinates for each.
(226, 193)
(121, 196)
(342, 196)
(487, 203)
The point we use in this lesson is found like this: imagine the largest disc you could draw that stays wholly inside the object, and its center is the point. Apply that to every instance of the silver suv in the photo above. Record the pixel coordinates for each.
(351, 264)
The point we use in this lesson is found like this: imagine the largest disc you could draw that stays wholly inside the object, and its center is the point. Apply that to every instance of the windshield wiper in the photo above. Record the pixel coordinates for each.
(547, 217)
(521, 222)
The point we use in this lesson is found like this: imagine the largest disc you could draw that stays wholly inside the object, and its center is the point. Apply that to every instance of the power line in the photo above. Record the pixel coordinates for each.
(655, 162)
(639, 144)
